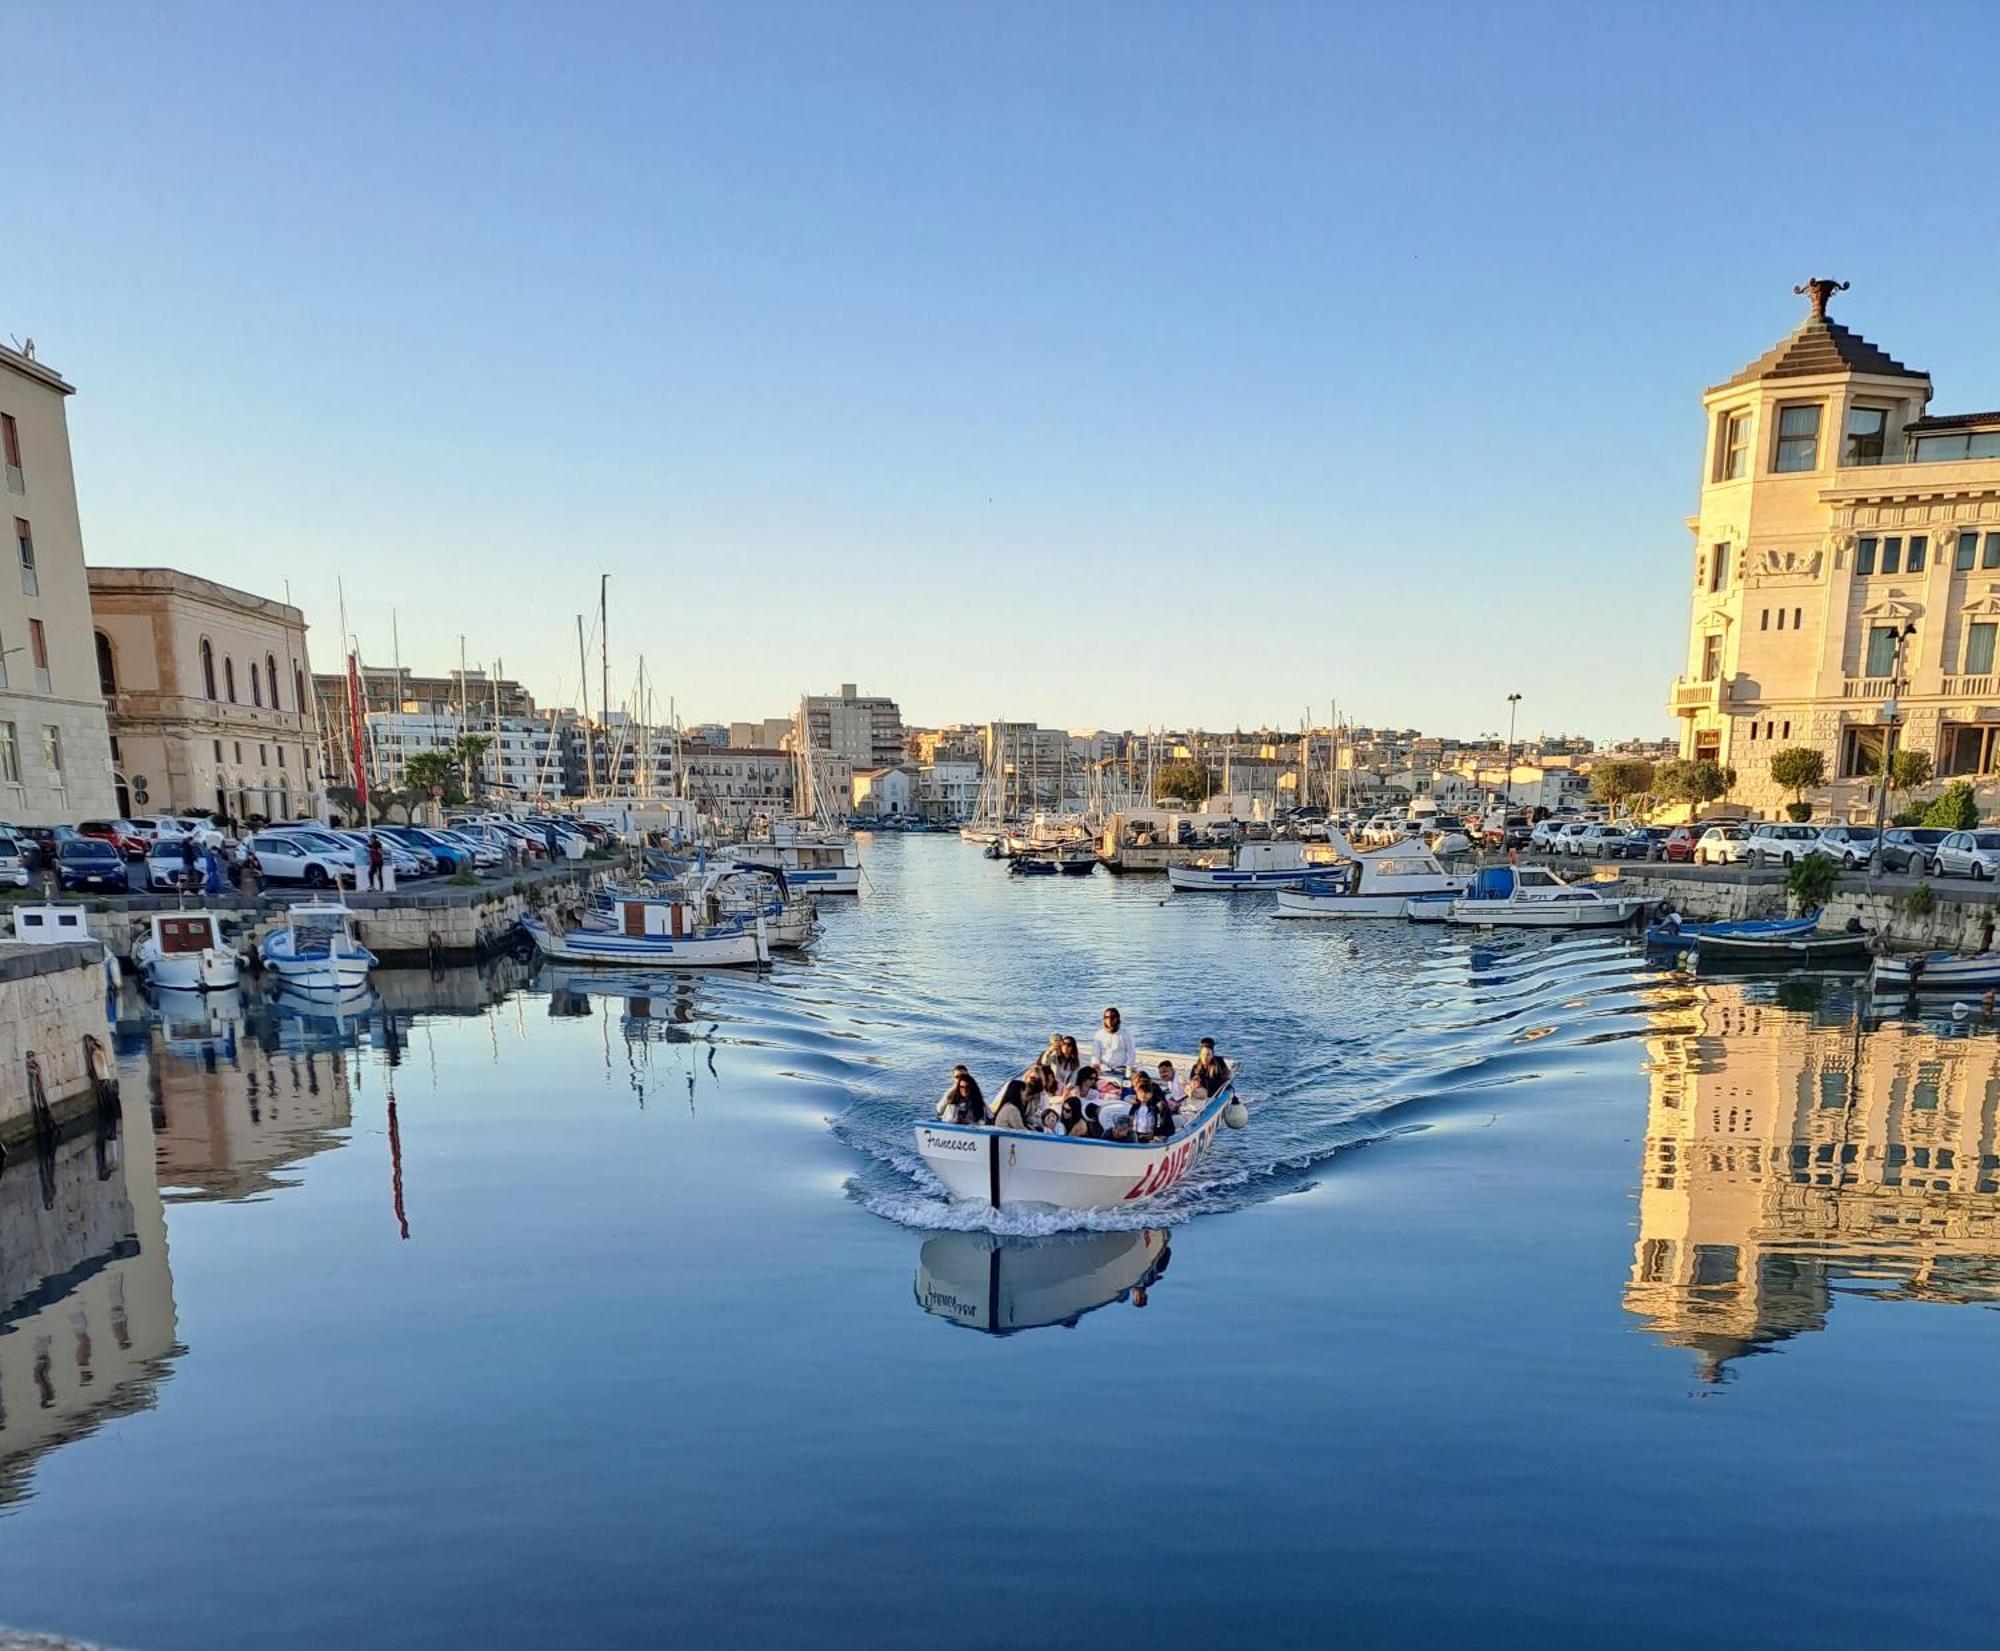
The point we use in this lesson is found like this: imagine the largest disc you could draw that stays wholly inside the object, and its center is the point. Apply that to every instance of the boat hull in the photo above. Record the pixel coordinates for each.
(1689, 934)
(1217, 880)
(1937, 973)
(340, 973)
(1305, 903)
(205, 971)
(1715, 951)
(1546, 914)
(1011, 1168)
(620, 951)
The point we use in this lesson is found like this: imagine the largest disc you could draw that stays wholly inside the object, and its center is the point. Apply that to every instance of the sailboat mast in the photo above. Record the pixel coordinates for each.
(604, 656)
(589, 740)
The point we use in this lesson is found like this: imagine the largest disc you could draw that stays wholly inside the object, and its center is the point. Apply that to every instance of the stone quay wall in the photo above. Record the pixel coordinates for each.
(1962, 916)
(51, 999)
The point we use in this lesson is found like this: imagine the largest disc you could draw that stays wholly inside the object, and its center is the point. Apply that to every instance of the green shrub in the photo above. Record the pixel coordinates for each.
(1921, 901)
(1799, 812)
(1911, 816)
(1810, 881)
(463, 879)
(1953, 810)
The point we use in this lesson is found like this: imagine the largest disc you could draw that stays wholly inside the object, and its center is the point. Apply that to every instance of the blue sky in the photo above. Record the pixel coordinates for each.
(1101, 364)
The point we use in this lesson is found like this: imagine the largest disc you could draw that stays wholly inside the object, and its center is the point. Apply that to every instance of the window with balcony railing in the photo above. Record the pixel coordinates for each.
(1956, 444)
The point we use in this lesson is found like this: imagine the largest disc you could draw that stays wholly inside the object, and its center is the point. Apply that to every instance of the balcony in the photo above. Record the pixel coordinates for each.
(1866, 687)
(1690, 697)
(1971, 687)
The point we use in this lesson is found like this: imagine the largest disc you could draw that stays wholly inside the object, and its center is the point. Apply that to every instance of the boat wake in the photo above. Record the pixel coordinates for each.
(1383, 1033)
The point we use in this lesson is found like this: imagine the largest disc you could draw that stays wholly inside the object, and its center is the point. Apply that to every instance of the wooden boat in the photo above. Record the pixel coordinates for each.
(1821, 948)
(1531, 897)
(1936, 972)
(1376, 882)
(316, 950)
(737, 891)
(1006, 1168)
(185, 950)
(1674, 933)
(656, 934)
(1252, 868)
(980, 1281)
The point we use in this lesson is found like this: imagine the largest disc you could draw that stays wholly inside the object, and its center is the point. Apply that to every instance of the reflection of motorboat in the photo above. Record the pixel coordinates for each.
(316, 1019)
(198, 1023)
(985, 1282)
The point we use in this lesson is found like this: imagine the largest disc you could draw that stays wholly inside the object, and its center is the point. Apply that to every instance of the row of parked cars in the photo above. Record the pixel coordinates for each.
(93, 856)
(1778, 843)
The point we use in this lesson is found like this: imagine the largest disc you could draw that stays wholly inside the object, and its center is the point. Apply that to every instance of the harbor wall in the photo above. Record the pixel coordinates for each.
(1961, 918)
(51, 999)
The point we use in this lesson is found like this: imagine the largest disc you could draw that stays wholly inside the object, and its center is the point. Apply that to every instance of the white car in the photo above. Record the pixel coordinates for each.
(1781, 842)
(1602, 841)
(173, 827)
(13, 864)
(1849, 846)
(287, 858)
(1569, 836)
(1543, 836)
(167, 867)
(1722, 845)
(1974, 854)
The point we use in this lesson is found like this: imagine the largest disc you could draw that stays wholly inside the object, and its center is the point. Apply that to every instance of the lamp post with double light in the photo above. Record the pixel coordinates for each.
(1888, 718)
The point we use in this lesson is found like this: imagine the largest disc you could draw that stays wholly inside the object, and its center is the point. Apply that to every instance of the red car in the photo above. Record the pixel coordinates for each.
(120, 834)
(1681, 840)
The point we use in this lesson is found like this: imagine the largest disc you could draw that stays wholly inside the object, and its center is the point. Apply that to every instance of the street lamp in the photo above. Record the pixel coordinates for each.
(1513, 707)
(1888, 718)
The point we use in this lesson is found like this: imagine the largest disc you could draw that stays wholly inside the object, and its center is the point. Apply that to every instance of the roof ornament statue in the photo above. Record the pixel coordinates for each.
(1817, 291)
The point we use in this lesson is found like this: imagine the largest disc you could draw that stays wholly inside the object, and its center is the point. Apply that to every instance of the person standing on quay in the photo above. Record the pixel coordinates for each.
(374, 861)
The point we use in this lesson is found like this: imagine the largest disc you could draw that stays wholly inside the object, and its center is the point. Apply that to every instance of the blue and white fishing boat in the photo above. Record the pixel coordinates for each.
(657, 934)
(1936, 972)
(717, 892)
(1253, 868)
(1672, 931)
(316, 950)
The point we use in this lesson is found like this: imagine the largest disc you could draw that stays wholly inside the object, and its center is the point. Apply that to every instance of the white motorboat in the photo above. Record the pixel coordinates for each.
(316, 949)
(1251, 868)
(980, 1281)
(1936, 972)
(54, 925)
(656, 934)
(185, 951)
(1531, 897)
(1377, 882)
(1004, 1168)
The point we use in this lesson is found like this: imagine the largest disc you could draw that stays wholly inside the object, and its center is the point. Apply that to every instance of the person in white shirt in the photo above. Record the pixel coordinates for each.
(1171, 1086)
(1112, 1045)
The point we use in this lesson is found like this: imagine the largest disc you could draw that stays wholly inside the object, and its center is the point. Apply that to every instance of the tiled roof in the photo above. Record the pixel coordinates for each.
(1953, 421)
(1821, 346)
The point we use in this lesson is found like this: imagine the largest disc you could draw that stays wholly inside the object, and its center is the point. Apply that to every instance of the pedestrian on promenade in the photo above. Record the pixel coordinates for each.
(374, 861)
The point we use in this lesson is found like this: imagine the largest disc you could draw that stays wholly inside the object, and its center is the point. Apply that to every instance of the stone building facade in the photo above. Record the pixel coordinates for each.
(209, 692)
(1846, 572)
(55, 747)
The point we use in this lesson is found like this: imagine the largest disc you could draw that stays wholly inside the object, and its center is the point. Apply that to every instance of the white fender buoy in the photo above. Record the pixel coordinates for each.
(1235, 1114)
(1961, 1011)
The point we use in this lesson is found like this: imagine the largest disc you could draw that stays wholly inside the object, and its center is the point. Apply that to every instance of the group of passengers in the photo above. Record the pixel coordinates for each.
(1062, 1094)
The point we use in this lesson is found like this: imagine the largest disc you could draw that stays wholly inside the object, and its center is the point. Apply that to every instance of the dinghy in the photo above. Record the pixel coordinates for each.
(316, 950)
(185, 951)
(1008, 1168)
(1673, 933)
(1819, 949)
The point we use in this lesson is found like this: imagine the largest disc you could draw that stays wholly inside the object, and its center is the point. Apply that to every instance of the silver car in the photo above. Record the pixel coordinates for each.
(1974, 854)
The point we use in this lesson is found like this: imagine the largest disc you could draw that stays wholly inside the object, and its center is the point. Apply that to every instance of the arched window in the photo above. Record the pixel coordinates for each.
(256, 685)
(229, 679)
(207, 668)
(107, 669)
(271, 676)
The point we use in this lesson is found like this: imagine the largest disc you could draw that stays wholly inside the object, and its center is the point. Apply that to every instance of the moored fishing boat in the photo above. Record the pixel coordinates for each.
(1005, 1168)
(1370, 883)
(1529, 897)
(1819, 949)
(316, 950)
(735, 890)
(1252, 868)
(813, 865)
(656, 934)
(185, 950)
(1936, 972)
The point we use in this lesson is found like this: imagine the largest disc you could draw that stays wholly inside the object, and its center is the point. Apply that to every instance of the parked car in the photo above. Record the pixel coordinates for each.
(483, 852)
(434, 854)
(13, 864)
(1781, 842)
(1604, 841)
(284, 857)
(1569, 836)
(1679, 844)
(118, 833)
(1849, 846)
(399, 859)
(206, 833)
(1909, 848)
(166, 864)
(1974, 854)
(1723, 845)
(1647, 842)
(89, 863)
(38, 844)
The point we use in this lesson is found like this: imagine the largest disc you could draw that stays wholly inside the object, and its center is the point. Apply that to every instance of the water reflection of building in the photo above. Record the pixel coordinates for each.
(236, 1108)
(86, 1301)
(1787, 1154)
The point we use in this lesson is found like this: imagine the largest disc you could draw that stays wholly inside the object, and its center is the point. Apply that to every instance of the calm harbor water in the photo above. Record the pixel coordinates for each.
(1547, 1299)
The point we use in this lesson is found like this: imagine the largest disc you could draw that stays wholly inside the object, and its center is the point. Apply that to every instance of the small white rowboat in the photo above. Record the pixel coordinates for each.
(1005, 1168)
